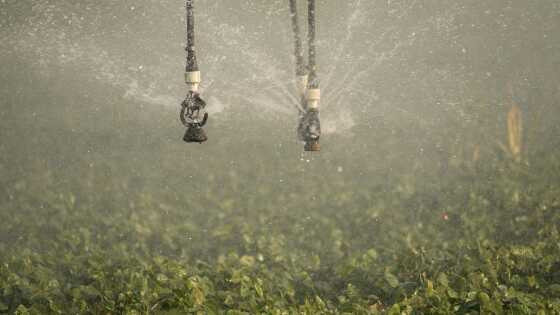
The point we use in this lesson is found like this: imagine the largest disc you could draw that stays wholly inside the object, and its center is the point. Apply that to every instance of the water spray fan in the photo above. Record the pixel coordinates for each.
(193, 109)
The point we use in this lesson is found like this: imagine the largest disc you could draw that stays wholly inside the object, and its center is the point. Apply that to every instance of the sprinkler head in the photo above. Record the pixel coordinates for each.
(195, 134)
(194, 117)
(309, 130)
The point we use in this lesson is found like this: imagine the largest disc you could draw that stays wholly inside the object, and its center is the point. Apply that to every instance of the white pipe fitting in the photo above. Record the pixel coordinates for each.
(192, 78)
(313, 98)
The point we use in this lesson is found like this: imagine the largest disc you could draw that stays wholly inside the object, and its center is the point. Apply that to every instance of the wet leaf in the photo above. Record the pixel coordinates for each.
(391, 279)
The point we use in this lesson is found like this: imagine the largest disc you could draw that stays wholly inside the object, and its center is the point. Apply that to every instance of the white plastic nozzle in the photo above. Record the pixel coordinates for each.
(192, 78)
(313, 98)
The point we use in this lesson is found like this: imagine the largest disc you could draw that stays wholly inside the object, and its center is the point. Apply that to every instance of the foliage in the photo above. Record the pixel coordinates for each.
(95, 238)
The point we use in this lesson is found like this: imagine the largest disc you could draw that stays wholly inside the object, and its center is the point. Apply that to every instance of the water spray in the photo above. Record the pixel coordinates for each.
(193, 114)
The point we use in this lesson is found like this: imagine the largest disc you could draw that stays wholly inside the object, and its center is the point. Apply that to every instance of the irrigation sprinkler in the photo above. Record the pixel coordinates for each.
(193, 114)
(310, 124)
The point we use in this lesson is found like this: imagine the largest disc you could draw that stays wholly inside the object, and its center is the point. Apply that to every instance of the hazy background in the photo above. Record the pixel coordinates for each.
(90, 94)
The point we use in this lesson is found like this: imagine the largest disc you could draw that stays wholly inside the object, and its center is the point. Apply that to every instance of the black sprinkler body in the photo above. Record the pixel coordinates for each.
(192, 109)
(309, 130)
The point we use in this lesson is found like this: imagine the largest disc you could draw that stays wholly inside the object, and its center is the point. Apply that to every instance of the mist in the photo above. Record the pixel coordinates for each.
(435, 190)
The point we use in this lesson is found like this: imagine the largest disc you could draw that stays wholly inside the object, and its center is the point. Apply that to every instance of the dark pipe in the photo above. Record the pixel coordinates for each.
(298, 49)
(313, 82)
(192, 65)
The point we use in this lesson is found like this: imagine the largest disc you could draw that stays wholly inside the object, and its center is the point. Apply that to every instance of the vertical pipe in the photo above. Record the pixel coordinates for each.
(298, 49)
(311, 122)
(192, 64)
(313, 82)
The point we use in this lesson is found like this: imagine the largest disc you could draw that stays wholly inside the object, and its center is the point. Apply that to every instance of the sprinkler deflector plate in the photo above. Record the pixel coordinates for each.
(195, 134)
(312, 146)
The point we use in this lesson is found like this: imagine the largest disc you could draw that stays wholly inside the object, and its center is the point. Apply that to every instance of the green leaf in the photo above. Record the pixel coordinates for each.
(395, 310)
(442, 279)
(22, 310)
(452, 293)
(391, 279)
(372, 253)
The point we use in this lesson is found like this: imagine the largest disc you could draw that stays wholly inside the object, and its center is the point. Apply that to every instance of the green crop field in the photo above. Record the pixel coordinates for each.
(93, 224)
